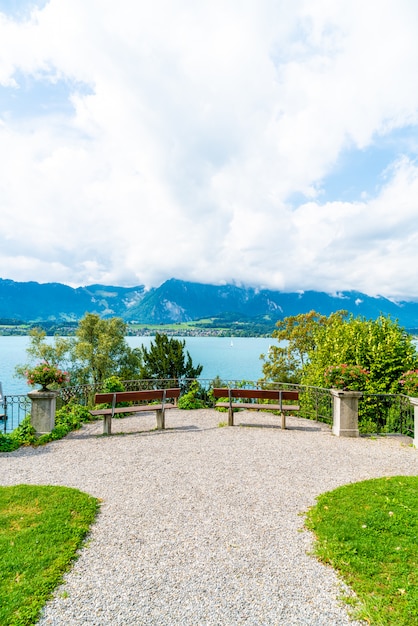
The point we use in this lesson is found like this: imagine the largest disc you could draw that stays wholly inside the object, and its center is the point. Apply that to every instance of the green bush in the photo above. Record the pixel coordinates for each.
(380, 346)
(8, 443)
(192, 399)
(346, 376)
(409, 383)
(70, 417)
(113, 384)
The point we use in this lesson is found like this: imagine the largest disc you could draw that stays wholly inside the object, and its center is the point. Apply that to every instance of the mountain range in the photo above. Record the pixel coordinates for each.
(179, 301)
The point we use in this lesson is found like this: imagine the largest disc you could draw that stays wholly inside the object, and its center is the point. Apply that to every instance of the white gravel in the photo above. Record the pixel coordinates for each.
(202, 525)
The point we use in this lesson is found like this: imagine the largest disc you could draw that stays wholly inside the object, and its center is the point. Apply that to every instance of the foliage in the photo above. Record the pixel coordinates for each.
(57, 352)
(7, 444)
(315, 342)
(42, 529)
(23, 435)
(346, 377)
(45, 374)
(193, 398)
(409, 383)
(296, 336)
(166, 359)
(70, 417)
(380, 346)
(54, 355)
(98, 351)
(112, 384)
(101, 348)
(367, 531)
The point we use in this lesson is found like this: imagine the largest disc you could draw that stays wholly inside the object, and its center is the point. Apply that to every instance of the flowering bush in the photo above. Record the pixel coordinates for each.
(346, 377)
(409, 383)
(44, 374)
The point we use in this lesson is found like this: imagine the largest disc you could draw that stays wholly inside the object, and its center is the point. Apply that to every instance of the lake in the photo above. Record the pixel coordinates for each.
(236, 358)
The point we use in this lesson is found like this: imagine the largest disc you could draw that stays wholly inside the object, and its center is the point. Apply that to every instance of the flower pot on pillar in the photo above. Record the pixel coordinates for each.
(345, 413)
(42, 415)
(414, 402)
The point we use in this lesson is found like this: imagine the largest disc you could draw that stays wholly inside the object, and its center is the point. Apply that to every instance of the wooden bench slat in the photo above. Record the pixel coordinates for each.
(142, 408)
(143, 395)
(136, 396)
(257, 394)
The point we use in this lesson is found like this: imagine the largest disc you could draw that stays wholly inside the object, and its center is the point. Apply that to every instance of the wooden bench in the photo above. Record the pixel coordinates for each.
(277, 401)
(144, 397)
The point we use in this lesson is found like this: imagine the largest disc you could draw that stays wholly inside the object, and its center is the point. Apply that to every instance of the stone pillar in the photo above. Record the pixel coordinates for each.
(414, 402)
(43, 410)
(345, 413)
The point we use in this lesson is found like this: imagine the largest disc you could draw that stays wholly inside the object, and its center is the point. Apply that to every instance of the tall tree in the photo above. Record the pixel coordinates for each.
(101, 348)
(381, 346)
(166, 358)
(296, 336)
(98, 350)
(57, 353)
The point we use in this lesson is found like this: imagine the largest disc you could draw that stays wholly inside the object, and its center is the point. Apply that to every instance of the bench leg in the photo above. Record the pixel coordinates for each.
(107, 424)
(230, 416)
(160, 419)
(283, 420)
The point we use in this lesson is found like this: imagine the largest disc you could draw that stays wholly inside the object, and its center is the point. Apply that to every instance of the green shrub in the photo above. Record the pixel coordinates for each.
(346, 376)
(8, 443)
(112, 384)
(24, 434)
(409, 383)
(192, 399)
(70, 417)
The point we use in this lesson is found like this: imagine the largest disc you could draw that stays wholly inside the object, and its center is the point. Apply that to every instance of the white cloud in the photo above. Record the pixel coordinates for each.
(193, 127)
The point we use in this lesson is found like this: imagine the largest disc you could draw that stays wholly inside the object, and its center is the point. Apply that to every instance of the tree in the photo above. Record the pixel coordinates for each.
(381, 346)
(166, 359)
(58, 353)
(314, 342)
(296, 333)
(101, 349)
(98, 351)
(53, 353)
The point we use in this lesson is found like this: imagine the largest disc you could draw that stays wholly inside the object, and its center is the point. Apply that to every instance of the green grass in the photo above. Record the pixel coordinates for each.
(41, 529)
(368, 532)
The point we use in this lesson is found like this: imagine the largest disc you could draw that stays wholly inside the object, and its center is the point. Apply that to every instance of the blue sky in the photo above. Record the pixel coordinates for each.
(257, 142)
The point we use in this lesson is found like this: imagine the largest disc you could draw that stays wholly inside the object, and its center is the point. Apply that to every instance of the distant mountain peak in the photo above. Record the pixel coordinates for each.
(180, 301)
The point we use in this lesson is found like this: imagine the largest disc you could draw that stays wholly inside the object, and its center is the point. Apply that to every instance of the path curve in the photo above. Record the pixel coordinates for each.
(202, 525)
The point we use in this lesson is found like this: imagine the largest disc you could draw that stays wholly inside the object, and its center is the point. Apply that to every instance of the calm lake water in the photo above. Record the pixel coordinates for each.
(230, 358)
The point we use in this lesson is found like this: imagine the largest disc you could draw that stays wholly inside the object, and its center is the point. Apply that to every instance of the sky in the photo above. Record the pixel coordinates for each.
(265, 143)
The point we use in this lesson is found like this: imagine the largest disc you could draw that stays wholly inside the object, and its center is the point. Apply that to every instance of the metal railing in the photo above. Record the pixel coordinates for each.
(385, 413)
(13, 410)
(315, 402)
(378, 413)
(84, 394)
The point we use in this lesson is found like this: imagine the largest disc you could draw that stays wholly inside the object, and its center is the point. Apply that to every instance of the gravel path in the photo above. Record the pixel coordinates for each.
(201, 525)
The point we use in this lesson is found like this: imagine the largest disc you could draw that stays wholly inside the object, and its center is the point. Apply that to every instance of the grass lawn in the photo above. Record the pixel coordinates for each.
(368, 532)
(41, 528)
